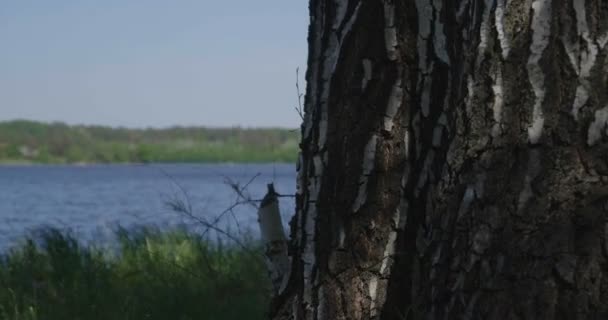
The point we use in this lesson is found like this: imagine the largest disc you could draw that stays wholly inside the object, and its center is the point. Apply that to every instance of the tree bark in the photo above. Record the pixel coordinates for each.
(454, 162)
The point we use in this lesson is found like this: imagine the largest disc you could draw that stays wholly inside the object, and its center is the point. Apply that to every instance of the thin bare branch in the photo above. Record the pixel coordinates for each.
(299, 108)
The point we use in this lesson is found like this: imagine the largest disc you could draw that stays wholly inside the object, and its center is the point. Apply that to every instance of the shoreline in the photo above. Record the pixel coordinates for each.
(92, 164)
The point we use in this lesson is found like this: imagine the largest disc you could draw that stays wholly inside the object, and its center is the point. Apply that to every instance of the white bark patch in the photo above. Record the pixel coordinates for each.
(369, 157)
(389, 14)
(442, 124)
(470, 91)
(389, 250)
(390, 31)
(439, 38)
(425, 18)
(472, 192)
(308, 259)
(580, 98)
(535, 131)
(399, 216)
(462, 9)
(341, 237)
(484, 32)
(480, 185)
(311, 100)
(498, 90)
(581, 17)
(341, 7)
(603, 40)
(332, 54)
(321, 304)
(598, 127)
(425, 98)
(367, 73)
(443, 119)
(532, 172)
(317, 161)
(425, 22)
(499, 17)
(587, 59)
(323, 125)
(467, 199)
(308, 254)
(541, 31)
(373, 295)
(573, 52)
(394, 103)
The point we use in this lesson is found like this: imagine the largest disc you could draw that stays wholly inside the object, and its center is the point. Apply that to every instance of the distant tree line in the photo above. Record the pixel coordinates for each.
(30, 141)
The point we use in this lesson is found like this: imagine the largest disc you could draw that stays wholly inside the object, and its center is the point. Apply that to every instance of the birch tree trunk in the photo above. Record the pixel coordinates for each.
(454, 162)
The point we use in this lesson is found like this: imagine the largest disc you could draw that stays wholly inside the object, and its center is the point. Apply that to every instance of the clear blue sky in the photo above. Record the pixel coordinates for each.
(142, 63)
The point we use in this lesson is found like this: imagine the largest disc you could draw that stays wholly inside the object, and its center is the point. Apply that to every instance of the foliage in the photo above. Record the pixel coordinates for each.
(28, 141)
(152, 275)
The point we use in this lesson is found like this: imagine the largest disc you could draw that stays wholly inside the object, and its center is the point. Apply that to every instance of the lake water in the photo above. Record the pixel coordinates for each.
(91, 201)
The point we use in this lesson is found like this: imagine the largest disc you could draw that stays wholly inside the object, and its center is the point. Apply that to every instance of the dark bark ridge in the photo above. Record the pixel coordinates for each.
(454, 162)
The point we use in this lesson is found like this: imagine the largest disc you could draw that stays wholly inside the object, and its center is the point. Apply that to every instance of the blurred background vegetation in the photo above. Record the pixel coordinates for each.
(151, 275)
(35, 142)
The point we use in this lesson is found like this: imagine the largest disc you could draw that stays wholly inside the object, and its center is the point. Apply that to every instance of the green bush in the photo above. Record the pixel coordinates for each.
(152, 275)
(60, 143)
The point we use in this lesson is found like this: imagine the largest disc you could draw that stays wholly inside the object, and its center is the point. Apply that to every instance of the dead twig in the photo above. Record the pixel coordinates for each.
(299, 108)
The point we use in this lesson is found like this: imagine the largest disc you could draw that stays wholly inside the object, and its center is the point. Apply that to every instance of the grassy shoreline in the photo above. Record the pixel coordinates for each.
(58, 143)
(154, 275)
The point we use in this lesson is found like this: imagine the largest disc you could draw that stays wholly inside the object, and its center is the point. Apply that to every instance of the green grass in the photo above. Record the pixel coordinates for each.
(36, 142)
(153, 275)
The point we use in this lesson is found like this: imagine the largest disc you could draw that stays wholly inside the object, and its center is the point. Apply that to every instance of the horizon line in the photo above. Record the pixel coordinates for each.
(148, 127)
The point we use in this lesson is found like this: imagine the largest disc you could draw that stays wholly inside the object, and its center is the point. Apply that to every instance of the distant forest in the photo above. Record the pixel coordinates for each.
(36, 142)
